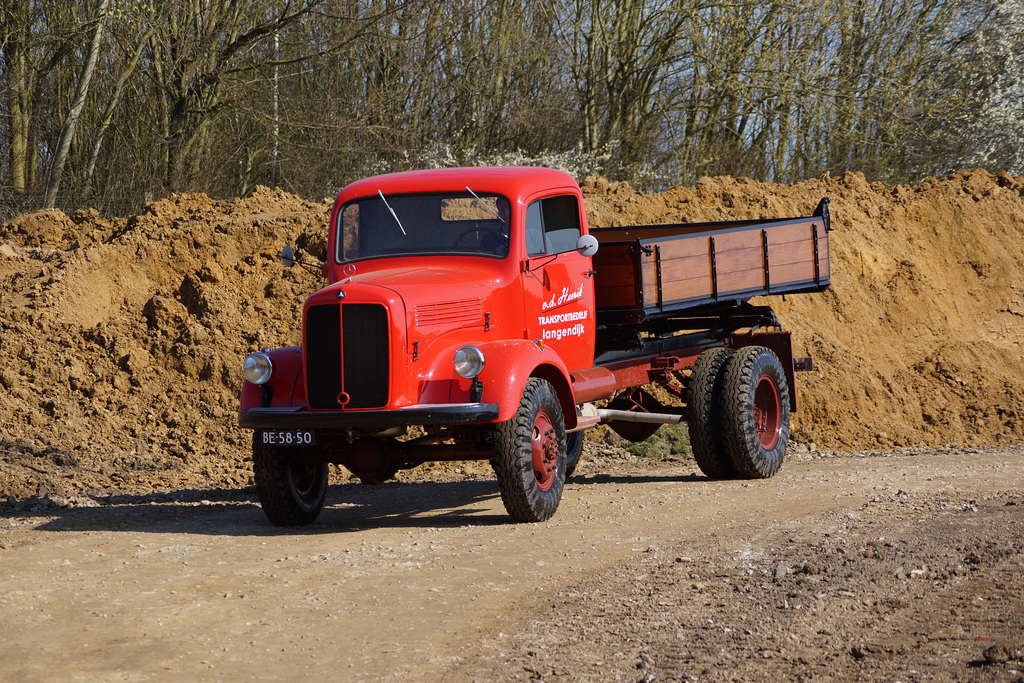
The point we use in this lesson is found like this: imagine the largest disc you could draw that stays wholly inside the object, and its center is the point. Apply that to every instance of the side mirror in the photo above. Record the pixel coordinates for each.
(587, 245)
(288, 256)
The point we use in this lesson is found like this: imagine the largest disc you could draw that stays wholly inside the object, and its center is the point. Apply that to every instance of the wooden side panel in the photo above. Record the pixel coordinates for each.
(646, 232)
(615, 282)
(792, 253)
(665, 268)
(824, 267)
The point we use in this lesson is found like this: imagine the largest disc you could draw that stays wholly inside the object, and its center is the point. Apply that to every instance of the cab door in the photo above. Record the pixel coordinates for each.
(557, 281)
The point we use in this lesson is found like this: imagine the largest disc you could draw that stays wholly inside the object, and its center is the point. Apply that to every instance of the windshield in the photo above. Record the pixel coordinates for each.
(423, 224)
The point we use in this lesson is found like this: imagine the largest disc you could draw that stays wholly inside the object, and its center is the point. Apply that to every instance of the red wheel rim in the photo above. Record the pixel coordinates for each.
(767, 413)
(544, 449)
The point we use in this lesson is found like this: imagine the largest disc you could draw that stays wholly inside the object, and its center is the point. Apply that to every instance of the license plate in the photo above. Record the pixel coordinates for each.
(288, 437)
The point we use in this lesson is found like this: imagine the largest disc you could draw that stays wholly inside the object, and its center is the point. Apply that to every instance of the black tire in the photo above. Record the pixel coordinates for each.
(755, 412)
(290, 485)
(529, 457)
(573, 451)
(704, 419)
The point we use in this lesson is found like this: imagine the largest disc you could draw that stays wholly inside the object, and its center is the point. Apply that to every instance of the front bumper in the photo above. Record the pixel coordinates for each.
(300, 418)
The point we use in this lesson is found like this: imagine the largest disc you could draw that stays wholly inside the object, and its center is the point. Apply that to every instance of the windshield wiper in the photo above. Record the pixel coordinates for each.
(392, 212)
(486, 205)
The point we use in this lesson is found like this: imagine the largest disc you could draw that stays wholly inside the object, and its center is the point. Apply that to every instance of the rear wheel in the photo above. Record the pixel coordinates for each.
(529, 458)
(704, 418)
(290, 484)
(755, 416)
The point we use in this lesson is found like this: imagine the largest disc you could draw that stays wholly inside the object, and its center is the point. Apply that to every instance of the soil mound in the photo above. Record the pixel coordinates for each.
(919, 340)
(121, 339)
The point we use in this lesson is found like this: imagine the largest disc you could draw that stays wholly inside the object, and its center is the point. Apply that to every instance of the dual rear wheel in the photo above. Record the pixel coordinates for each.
(739, 427)
(738, 413)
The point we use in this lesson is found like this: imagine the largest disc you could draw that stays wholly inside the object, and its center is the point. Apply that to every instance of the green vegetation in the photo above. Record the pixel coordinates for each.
(668, 441)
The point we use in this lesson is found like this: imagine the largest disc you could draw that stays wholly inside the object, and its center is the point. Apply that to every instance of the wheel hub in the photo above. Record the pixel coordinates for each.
(767, 412)
(544, 449)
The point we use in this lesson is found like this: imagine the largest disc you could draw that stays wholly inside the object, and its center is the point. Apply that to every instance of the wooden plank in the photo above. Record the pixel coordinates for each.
(740, 265)
(649, 282)
(686, 269)
(791, 255)
(824, 265)
(667, 230)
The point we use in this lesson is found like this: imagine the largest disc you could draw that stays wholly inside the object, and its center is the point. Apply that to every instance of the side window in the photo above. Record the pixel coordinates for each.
(552, 225)
(535, 230)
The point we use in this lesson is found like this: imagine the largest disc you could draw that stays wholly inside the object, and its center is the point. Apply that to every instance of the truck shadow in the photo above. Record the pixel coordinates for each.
(236, 512)
(349, 507)
(627, 478)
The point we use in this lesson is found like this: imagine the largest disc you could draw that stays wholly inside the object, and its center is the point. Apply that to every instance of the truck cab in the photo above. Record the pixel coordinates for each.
(479, 257)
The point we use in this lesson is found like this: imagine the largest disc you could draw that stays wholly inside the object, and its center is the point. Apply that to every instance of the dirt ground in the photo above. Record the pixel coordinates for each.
(888, 548)
(903, 565)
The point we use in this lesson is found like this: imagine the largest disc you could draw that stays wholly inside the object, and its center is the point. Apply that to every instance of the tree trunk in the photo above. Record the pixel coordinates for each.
(16, 46)
(71, 122)
(108, 117)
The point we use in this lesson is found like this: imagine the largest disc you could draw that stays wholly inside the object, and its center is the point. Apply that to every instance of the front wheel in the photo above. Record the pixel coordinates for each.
(529, 458)
(291, 486)
(755, 412)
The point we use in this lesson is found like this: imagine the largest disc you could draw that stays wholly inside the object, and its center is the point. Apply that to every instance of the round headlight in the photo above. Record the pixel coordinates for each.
(469, 361)
(258, 368)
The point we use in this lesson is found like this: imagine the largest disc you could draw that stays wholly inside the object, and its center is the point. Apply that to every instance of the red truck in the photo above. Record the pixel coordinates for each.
(473, 314)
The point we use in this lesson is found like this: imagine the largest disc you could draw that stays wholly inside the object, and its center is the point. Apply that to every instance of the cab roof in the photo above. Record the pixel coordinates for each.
(515, 182)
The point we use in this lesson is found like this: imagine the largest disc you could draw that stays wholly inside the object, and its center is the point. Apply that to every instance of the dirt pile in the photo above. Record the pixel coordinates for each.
(920, 339)
(121, 339)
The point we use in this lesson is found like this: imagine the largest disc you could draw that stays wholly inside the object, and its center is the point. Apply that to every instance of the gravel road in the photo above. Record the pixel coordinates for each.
(899, 565)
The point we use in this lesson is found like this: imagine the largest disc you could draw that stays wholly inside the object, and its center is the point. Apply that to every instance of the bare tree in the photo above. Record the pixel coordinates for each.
(623, 55)
(221, 95)
(37, 40)
(996, 74)
(197, 46)
(128, 69)
(71, 121)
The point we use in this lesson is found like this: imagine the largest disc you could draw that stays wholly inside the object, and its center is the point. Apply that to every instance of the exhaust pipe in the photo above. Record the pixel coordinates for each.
(607, 414)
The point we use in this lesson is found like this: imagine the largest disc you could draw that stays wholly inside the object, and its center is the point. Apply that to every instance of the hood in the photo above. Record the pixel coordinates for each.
(438, 294)
(423, 281)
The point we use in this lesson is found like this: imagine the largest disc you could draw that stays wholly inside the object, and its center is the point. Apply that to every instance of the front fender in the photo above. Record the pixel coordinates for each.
(286, 386)
(509, 365)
